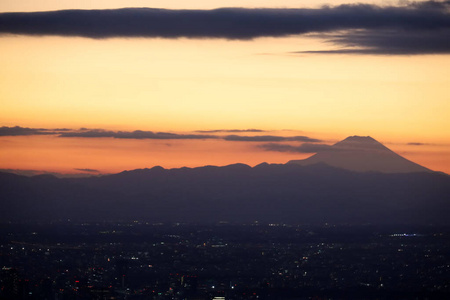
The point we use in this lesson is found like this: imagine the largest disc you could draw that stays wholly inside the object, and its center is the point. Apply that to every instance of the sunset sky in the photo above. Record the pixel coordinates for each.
(102, 89)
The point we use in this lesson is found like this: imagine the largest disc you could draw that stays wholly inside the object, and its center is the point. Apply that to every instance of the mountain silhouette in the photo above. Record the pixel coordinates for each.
(281, 193)
(362, 154)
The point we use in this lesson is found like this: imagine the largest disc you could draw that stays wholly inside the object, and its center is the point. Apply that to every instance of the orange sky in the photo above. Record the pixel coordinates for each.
(184, 85)
(108, 155)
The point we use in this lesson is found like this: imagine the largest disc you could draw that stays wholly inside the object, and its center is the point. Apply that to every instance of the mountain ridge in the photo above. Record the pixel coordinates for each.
(313, 193)
(271, 193)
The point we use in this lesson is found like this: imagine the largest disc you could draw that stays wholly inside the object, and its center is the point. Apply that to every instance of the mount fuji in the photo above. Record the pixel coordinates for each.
(362, 154)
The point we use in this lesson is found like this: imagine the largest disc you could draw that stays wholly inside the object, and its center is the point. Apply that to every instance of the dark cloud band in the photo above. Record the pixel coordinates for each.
(99, 133)
(140, 134)
(137, 134)
(415, 22)
(20, 131)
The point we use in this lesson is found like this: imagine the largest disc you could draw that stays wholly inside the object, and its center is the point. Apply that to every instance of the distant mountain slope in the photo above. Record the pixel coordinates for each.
(238, 193)
(362, 154)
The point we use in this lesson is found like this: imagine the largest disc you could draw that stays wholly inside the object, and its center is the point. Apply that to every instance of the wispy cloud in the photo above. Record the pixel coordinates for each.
(412, 28)
(137, 134)
(388, 42)
(88, 170)
(141, 134)
(20, 131)
(303, 148)
(269, 138)
(230, 130)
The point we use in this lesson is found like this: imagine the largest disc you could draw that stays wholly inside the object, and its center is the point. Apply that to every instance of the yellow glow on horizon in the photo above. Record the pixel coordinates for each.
(155, 84)
(46, 5)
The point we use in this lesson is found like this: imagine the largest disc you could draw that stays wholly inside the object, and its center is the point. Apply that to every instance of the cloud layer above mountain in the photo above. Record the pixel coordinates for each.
(303, 148)
(137, 134)
(21, 131)
(141, 134)
(269, 138)
(412, 28)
